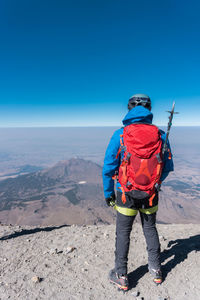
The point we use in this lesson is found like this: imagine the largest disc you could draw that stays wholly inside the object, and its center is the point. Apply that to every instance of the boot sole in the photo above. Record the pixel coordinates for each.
(157, 281)
(120, 287)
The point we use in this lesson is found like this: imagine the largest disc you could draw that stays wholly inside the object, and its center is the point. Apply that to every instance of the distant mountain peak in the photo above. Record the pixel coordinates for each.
(75, 169)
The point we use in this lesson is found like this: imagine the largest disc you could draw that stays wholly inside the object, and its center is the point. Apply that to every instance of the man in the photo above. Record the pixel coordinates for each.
(132, 196)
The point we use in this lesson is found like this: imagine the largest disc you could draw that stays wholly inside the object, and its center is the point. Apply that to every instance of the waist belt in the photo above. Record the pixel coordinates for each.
(133, 212)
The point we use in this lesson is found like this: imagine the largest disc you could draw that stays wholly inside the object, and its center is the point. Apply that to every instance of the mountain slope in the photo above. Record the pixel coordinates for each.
(71, 192)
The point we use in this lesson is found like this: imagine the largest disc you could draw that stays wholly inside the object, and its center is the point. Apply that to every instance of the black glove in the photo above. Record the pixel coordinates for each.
(111, 200)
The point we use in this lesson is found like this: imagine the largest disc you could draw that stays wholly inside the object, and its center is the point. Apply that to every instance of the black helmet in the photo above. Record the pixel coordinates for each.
(139, 99)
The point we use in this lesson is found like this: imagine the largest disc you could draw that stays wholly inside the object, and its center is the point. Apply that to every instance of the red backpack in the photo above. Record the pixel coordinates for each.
(141, 165)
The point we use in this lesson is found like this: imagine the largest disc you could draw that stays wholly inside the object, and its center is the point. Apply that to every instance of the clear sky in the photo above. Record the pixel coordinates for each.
(76, 63)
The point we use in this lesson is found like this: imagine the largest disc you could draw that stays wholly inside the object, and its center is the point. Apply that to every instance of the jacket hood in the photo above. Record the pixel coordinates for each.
(138, 114)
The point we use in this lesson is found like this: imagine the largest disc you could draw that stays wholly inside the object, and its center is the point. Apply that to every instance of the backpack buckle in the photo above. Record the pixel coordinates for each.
(128, 184)
(158, 158)
(127, 157)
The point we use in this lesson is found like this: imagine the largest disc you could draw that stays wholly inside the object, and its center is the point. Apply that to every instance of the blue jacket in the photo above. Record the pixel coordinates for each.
(111, 163)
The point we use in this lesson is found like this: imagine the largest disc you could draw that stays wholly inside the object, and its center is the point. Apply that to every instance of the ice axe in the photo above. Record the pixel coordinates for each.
(172, 112)
(164, 148)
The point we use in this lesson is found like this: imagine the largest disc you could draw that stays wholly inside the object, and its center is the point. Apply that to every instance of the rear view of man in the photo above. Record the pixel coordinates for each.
(134, 157)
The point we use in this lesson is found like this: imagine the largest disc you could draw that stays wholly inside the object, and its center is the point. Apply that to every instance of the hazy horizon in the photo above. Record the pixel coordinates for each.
(91, 126)
(46, 146)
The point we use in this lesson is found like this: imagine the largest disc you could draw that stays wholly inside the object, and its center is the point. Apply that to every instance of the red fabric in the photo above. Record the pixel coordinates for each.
(140, 168)
(142, 139)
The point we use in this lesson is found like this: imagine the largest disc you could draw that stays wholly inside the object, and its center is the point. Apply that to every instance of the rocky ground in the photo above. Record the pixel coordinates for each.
(72, 263)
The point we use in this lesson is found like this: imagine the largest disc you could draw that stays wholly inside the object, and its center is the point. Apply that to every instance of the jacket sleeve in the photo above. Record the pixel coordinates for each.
(111, 163)
(167, 159)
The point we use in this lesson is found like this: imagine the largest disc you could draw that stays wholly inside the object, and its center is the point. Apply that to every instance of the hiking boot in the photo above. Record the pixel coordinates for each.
(120, 280)
(157, 276)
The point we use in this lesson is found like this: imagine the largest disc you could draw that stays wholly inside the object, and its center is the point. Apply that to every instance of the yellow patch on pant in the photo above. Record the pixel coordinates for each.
(133, 212)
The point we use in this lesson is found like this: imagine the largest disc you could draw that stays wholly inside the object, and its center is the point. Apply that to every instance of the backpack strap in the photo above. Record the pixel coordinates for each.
(123, 195)
(121, 146)
(159, 170)
(151, 199)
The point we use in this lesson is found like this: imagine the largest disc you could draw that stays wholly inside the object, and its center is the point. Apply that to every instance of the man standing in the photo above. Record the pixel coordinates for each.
(134, 157)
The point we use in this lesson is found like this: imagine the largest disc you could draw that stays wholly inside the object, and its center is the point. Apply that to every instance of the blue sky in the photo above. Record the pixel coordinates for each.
(76, 63)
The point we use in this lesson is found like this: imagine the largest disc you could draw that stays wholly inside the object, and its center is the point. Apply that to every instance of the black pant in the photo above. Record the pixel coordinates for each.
(123, 230)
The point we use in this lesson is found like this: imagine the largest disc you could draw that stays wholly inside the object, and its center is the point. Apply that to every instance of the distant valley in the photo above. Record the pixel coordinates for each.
(71, 192)
(36, 190)
(22, 170)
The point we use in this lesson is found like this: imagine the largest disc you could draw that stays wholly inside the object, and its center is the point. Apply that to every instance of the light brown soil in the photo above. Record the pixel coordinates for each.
(83, 273)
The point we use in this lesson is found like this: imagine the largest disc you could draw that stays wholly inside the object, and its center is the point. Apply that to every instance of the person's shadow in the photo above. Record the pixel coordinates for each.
(22, 232)
(178, 251)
